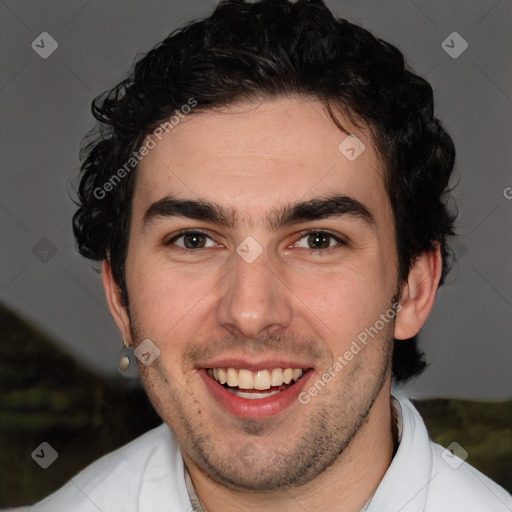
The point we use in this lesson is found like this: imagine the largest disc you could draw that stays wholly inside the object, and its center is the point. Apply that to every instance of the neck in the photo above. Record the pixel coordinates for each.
(345, 486)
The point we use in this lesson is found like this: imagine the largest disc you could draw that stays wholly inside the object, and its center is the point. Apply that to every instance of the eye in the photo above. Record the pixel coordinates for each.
(192, 240)
(318, 241)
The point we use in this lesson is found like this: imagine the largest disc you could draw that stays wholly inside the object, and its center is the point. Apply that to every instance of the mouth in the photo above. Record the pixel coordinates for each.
(255, 384)
(255, 394)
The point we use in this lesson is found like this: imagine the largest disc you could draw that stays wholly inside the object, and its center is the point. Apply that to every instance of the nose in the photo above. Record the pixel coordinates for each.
(254, 301)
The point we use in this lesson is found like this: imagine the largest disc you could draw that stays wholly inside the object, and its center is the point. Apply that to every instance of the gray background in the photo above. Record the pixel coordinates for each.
(45, 114)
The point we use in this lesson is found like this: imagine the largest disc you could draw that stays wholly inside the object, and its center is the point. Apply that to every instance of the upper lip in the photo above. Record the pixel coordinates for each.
(253, 365)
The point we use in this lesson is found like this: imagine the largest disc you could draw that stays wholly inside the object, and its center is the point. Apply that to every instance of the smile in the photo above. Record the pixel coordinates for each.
(246, 383)
(255, 393)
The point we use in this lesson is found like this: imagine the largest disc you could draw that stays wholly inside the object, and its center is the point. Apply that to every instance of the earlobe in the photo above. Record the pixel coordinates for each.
(115, 302)
(418, 294)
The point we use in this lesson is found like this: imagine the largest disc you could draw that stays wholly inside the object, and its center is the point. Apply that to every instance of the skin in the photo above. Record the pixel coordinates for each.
(291, 302)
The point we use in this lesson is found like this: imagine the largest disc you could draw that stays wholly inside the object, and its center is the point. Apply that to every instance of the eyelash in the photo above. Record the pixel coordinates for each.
(340, 241)
(302, 234)
(184, 232)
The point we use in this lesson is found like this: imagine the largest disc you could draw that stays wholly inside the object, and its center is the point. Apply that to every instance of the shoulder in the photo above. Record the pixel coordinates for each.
(458, 486)
(450, 484)
(135, 477)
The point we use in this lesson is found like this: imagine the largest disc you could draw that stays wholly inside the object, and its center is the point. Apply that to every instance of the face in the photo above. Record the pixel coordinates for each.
(258, 253)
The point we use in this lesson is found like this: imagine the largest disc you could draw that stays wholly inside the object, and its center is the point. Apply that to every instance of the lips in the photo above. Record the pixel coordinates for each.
(254, 393)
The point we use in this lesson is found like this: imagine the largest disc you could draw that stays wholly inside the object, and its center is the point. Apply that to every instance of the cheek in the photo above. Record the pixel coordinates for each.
(342, 303)
(166, 300)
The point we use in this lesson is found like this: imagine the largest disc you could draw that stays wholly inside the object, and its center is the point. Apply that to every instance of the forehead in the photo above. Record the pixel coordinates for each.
(257, 156)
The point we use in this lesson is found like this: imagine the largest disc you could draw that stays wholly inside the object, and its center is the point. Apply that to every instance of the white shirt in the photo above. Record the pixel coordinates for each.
(147, 475)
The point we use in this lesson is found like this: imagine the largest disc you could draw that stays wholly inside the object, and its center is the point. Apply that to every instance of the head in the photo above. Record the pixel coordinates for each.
(234, 130)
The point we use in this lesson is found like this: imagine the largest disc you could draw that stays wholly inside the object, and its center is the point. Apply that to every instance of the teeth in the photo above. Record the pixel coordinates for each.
(251, 396)
(222, 377)
(245, 379)
(260, 380)
(287, 375)
(276, 377)
(232, 375)
(297, 374)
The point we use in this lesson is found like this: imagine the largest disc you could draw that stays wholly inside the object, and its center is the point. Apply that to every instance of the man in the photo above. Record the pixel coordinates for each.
(268, 200)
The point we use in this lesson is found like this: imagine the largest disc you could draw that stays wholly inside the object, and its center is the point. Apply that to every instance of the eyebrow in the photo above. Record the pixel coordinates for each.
(294, 213)
(321, 208)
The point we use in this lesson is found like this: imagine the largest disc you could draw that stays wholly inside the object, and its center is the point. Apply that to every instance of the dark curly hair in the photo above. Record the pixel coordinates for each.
(252, 51)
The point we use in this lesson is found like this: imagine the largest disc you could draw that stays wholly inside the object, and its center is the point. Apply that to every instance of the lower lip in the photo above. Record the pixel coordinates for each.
(257, 408)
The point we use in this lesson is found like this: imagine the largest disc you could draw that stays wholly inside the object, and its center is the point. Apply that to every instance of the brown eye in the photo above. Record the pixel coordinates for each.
(194, 241)
(319, 240)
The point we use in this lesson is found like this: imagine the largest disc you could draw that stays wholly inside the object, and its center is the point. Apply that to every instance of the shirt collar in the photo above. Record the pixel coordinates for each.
(405, 485)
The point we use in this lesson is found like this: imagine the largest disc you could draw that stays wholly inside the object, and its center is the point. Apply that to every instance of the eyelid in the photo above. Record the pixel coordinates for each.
(337, 236)
(340, 239)
(184, 232)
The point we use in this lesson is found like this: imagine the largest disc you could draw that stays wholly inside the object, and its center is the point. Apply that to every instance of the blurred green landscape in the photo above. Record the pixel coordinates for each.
(46, 396)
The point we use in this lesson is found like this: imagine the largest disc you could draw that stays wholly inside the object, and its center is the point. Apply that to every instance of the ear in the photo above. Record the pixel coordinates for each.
(418, 294)
(115, 302)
